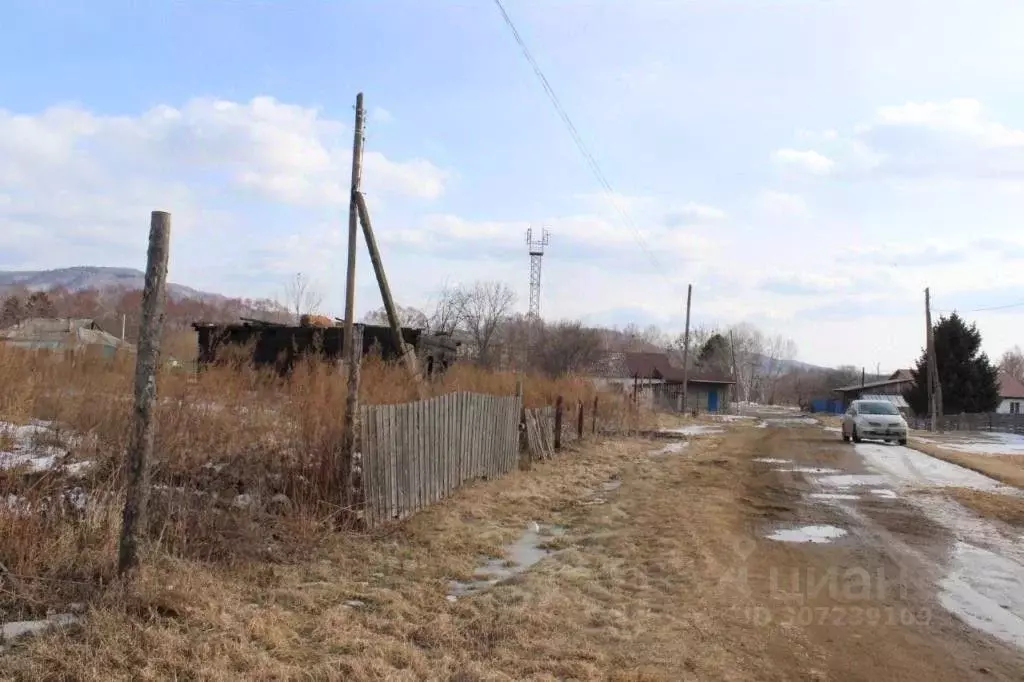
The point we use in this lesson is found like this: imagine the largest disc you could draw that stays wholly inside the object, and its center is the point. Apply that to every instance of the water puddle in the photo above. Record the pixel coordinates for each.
(526, 551)
(815, 534)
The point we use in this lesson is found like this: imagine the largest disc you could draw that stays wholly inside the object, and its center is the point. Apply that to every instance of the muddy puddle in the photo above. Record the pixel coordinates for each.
(527, 550)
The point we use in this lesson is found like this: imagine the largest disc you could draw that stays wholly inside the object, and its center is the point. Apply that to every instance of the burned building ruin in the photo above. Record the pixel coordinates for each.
(280, 346)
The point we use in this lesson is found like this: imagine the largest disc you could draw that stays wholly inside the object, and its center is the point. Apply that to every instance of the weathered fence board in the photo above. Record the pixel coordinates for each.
(540, 432)
(416, 454)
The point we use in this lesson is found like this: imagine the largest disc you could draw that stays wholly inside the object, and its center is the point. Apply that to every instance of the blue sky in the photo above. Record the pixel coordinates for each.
(809, 166)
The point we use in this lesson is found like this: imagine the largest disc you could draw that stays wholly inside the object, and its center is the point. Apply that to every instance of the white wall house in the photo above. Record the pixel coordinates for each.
(1012, 393)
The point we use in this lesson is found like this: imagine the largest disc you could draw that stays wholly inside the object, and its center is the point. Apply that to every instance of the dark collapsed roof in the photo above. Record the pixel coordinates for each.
(648, 365)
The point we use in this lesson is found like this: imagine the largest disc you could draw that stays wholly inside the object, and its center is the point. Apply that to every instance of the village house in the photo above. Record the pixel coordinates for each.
(1011, 394)
(652, 379)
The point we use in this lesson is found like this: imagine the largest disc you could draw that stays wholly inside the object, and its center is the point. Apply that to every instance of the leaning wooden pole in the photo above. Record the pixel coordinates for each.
(140, 438)
(407, 353)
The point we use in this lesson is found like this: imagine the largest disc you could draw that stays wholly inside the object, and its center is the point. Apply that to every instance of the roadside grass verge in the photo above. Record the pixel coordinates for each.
(1008, 469)
(1006, 508)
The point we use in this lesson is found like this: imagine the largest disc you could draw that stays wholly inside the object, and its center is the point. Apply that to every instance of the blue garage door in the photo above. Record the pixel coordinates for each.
(712, 400)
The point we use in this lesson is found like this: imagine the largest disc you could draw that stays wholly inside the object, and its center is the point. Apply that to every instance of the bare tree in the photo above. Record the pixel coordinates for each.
(302, 296)
(778, 354)
(448, 310)
(566, 347)
(1012, 363)
(748, 345)
(407, 317)
(484, 306)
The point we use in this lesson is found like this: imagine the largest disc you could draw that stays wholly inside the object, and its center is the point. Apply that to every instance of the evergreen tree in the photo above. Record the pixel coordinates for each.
(970, 383)
(714, 355)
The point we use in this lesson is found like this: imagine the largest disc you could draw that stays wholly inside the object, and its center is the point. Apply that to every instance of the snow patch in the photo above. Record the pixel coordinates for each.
(669, 449)
(771, 460)
(912, 468)
(843, 481)
(39, 446)
(695, 430)
(992, 443)
(983, 589)
(810, 470)
(815, 534)
(834, 496)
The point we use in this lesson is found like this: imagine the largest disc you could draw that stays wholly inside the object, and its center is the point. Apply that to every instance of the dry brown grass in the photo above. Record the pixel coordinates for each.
(1005, 508)
(630, 597)
(218, 436)
(1008, 469)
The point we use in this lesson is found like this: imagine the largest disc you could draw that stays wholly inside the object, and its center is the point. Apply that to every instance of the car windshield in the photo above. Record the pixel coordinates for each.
(877, 408)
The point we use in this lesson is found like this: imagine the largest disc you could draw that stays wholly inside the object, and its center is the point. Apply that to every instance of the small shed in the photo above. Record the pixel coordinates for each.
(75, 336)
(896, 385)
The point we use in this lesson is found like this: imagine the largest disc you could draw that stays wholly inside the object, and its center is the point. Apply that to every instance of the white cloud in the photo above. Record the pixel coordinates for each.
(782, 204)
(807, 160)
(964, 117)
(284, 152)
(925, 140)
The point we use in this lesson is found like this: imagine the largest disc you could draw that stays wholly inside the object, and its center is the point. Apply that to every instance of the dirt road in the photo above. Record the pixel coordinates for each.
(638, 560)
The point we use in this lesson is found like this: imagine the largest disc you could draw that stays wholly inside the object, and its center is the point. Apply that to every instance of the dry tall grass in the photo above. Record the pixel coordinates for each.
(240, 469)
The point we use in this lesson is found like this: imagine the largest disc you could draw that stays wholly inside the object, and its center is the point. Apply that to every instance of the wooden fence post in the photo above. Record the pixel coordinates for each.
(350, 466)
(524, 445)
(559, 410)
(579, 420)
(140, 439)
(593, 417)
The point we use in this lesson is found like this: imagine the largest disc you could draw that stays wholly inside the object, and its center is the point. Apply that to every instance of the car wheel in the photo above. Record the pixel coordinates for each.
(903, 441)
(856, 438)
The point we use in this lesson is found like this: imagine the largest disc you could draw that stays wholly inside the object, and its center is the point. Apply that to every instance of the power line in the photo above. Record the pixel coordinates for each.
(595, 167)
(1007, 306)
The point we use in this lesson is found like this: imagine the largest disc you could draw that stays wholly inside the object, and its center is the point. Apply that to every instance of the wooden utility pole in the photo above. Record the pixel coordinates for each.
(352, 354)
(934, 387)
(407, 353)
(686, 348)
(735, 370)
(140, 439)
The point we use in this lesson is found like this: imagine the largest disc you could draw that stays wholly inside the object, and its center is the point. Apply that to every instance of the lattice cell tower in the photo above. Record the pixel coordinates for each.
(536, 247)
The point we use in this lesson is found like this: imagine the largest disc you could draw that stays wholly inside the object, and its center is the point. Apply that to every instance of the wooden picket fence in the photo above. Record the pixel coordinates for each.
(415, 454)
(984, 421)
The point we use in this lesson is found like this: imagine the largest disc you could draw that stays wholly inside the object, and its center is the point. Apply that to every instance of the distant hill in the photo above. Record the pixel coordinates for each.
(86, 277)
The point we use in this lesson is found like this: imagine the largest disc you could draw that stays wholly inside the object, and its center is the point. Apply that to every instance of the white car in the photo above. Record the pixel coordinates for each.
(874, 419)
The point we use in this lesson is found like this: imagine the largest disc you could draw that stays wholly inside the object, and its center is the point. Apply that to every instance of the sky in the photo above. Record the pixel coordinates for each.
(808, 166)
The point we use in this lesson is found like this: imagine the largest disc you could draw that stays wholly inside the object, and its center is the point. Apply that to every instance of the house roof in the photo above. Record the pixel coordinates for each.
(897, 400)
(54, 333)
(1010, 386)
(902, 375)
(871, 384)
(650, 366)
